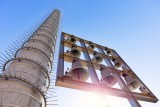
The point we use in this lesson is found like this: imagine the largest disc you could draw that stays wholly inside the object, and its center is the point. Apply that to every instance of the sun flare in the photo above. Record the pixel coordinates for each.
(91, 100)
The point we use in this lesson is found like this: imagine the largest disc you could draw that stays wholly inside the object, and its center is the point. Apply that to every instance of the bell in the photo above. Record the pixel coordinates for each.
(114, 55)
(143, 90)
(108, 51)
(91, 46)
(72, 39)
(107, 76)
(132, 84)
(97, 57)
(74, 51)
(116, 62)
(78, 72)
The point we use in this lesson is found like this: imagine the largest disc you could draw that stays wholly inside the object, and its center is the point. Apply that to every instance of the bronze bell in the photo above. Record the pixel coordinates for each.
(74, 51)
(116, 62)
(78, 72)
(107, 76)
(71, 39)
(132, 84)
(91, 46)
(108, 51)
(114, 55)
(143, 90)
(97, 57)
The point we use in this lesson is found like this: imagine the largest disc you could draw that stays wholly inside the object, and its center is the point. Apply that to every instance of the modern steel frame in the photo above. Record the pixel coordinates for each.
(64, 81)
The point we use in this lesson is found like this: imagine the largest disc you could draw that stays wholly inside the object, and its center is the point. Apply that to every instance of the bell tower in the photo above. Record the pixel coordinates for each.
(97, 68)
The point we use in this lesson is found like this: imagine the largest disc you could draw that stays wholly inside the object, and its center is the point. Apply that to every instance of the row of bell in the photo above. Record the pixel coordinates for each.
(98, 59)
(97, 56)
(76, 53)
(90, 46)
(72, 40)
(133, 84)
(78, 72)
(109, 79)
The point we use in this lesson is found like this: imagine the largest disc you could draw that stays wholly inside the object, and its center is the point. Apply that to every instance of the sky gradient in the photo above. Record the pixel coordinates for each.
(130, 27)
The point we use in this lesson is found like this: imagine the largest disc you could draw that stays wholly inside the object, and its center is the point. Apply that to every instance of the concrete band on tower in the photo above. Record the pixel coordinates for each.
(25, 77)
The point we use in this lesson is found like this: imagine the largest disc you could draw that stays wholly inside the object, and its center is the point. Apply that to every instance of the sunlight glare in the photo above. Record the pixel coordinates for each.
(91, 100)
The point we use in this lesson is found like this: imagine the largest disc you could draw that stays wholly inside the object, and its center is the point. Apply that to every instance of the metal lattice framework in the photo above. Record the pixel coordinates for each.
(111, 58)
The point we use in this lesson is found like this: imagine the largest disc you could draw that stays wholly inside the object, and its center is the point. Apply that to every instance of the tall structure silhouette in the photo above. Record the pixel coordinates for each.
(25, 77)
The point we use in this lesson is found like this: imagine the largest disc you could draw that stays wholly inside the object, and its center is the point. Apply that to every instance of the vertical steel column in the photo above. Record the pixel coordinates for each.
(60, 66)
(91, 69)
(25, 78)
(122, 84)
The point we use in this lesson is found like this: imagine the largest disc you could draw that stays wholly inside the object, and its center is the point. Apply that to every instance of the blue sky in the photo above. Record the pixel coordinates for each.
(131, 27)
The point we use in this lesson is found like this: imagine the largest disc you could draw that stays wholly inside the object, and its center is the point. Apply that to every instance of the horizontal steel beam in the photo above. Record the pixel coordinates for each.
(68, 44)
(68, 82)
(79, 39)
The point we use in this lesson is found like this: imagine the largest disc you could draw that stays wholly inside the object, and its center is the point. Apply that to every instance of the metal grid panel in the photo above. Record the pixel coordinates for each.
(96, 84)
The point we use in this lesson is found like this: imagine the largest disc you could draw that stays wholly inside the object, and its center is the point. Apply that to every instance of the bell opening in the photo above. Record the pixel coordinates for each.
(109, 80)
(92, 46)
(73, 40)
(79, 74)
(108, 52)
(106, 49)
(99, 59)
(75, 52)
(117, 65)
